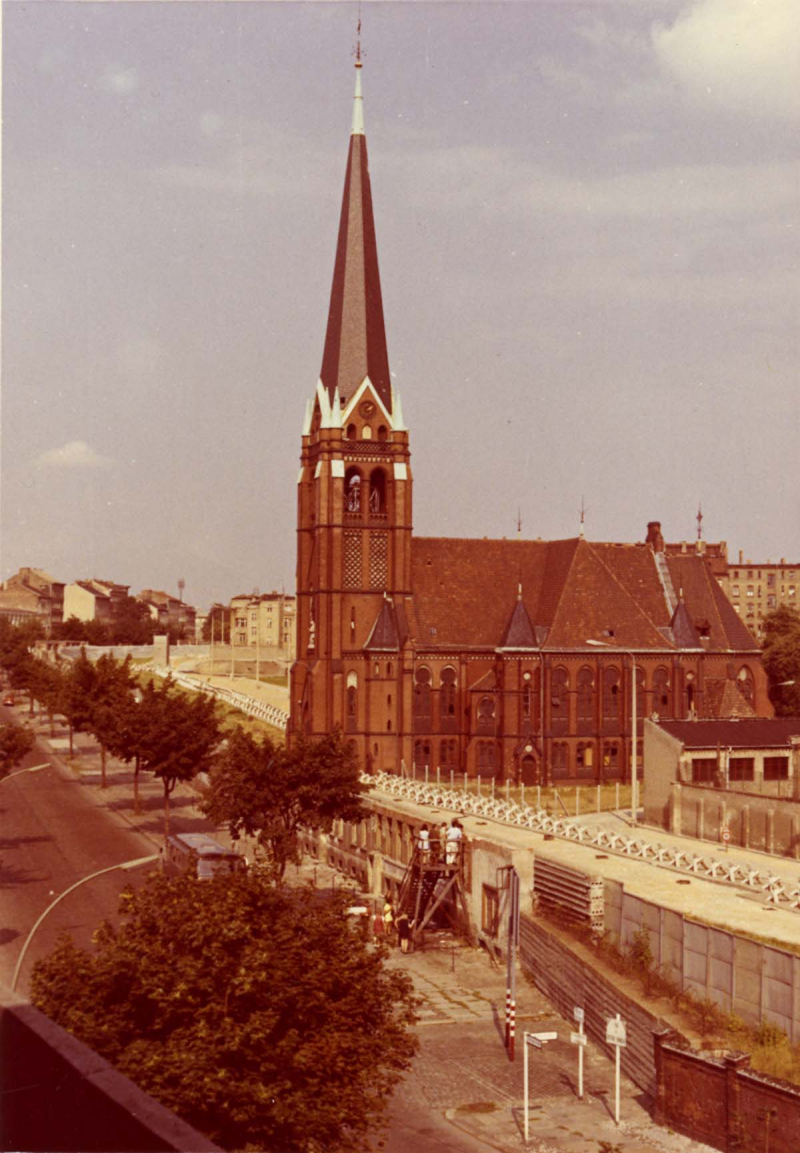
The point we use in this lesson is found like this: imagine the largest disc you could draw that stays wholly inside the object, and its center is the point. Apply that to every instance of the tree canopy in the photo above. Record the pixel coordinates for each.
(15, 742)
(262, 1016)
(781, 659)
(272, 792)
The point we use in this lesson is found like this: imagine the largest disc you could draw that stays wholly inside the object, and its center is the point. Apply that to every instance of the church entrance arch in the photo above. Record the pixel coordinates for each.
(529, 769)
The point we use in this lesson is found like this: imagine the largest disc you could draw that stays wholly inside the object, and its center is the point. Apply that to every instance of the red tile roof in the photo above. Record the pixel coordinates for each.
(465, 591)
(748, 733)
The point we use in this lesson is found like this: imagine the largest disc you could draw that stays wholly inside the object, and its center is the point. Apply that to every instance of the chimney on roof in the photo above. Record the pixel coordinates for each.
(741, 557)
(654, 537)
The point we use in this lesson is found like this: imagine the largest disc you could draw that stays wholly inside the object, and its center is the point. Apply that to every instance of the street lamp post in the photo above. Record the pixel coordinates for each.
(134, 864)
(634, 719)
(30, 769)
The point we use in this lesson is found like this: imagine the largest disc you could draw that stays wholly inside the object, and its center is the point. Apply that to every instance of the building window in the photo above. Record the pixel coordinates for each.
(559, 713)
(560, 759)
(585, 700)
(447, 754)
(447, 700)
(422, 700)
(776, 768)
(735, 590)
(352, 492)
(378, 560)
(584, 758)
(611, 697)
(662, 700)
(486, 715)
(749, 590)
(352, 704)
(741, 769)
(703, 770)
(746, 684)
(490, 911)
(610, 757)
(351, 432)
(377, 491)
(422, 755)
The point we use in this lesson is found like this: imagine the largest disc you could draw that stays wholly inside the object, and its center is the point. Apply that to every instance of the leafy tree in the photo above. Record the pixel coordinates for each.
(781, 659)
(262, 1016)
(177, 735)
(219, 618)
(15, 742)
(111, 692)
(271, 792)
(72, 629)
(76, 693)
(46, 686)
(132, 624)
(16, 642)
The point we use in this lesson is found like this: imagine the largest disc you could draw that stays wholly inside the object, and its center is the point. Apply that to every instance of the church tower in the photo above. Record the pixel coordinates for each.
(354, 502)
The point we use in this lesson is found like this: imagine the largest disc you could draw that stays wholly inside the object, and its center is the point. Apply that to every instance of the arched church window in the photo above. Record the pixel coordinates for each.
(559, 700)
(447, 754)
(487, 758)
(662, 696)
(422, 755)
(422, 699)
(746, 683)
(641, 689)
(585, 700)
(584, 758)
(352, 702)
(382, 433)
(366, 432)
(352, 491)
(448, 692)
(560, 759)
(527, 697)
(351, 432)
(486, 714)
(377, 491)
(611, 695)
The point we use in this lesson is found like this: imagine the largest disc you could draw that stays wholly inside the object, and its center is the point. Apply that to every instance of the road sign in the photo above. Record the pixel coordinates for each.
(725, 833)
(544, 1036)
(578, 1038)
(534, 1041)
(615, 1031)
(577, 1013)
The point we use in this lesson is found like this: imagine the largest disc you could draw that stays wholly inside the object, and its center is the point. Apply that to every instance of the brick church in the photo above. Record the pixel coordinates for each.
(508, 658)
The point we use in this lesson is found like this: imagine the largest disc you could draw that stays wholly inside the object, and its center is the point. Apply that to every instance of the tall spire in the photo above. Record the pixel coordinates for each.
(355, 341)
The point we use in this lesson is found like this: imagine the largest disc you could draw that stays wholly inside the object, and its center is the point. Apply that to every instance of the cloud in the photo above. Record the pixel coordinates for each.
(119, 81)
(740, 55)
(74, 454)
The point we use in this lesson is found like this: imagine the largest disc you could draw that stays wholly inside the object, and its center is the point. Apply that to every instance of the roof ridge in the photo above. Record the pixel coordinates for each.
(578, 541)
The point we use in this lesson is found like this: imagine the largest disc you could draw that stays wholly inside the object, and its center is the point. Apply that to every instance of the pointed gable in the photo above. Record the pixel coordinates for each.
(520, 633)
(684, 633)
(355, 340)
(385, 635)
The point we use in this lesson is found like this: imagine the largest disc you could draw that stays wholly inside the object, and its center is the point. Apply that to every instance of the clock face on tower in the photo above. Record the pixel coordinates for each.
(366, 409)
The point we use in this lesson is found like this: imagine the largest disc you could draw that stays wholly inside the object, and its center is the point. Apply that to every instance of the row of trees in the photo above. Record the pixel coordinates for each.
(131, 625)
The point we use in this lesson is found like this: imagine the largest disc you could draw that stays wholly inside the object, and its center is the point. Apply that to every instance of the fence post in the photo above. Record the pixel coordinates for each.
(522, 798)
(438, 776)
(465, 784)
(479, 784)
(616, 806)
(538, 796)
(508, 791)
(577, 800)
(452, 781)
(492, 788)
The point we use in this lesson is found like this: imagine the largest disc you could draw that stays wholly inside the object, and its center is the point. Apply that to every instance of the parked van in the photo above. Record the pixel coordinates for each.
(198, 854)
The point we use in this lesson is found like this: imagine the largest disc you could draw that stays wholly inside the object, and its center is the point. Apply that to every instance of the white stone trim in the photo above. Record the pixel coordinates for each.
(400, 470)
(318, 470)
(337, 468)
(355, 399)
(301, 474)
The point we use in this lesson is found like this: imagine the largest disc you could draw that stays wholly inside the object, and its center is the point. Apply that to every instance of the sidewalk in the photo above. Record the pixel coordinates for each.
(463, 1072)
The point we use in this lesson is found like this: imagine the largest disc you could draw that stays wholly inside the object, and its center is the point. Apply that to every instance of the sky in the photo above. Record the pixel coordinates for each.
(587, 219)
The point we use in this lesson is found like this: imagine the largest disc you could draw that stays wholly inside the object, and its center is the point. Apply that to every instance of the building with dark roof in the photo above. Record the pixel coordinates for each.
(734, 780)
(508, 658)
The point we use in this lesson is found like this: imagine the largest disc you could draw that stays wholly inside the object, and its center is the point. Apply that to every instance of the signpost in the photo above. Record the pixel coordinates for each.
(533, 1041)
(579, 1039)
(725, 835)
(616, 1035)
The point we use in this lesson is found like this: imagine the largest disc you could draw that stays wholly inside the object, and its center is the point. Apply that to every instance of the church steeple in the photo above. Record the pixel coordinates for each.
(355, 341)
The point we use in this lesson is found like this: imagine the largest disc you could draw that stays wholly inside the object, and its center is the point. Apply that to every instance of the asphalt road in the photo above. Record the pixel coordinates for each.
(51, 835)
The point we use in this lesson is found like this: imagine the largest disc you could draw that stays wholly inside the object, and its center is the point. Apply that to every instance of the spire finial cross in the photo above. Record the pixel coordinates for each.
(699, 519)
